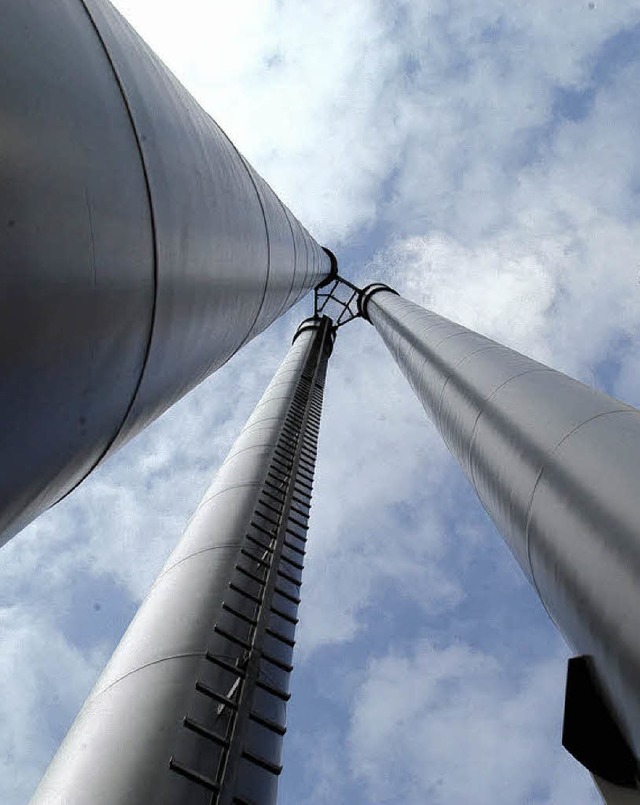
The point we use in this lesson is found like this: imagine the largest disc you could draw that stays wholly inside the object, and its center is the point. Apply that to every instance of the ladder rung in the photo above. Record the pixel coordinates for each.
(269, 688)
(276, 473)
(259, 543)
(284, 666)
(297, 536)
(228, 636)
(285, 616)
(273, 486)
(271, 495)
(284, 594)
(293, 547)
(249, 574)
(297, 522)
(268, 505)
(255, 598)
(287, 640)
(286, 467)
(255, 558)
(298, 510)
(246, 618)
(284, 451)
(194, 776)
(286, 559)
(234, 669)
(213, 694)
(267, 517)
(274, 768)
(268, 723)
(288, 577)
(262, 529)
(205, 732)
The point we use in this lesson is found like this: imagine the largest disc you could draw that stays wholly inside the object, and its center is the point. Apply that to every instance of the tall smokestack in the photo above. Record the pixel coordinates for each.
(191, 708)
(557, 467)
(139, 249)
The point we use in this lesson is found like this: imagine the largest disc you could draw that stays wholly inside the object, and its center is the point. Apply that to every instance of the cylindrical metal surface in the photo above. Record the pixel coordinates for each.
(139, 249)
(211, 643)
(555, 464)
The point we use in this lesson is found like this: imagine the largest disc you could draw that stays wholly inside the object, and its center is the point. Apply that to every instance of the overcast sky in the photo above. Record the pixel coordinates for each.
(483, 159)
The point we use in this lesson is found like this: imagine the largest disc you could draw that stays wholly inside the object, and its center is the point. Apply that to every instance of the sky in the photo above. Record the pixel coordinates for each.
(483, 159)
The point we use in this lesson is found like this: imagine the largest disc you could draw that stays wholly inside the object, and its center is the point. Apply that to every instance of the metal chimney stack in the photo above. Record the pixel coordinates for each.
(557, 467)
(191, 707)
(139, 249)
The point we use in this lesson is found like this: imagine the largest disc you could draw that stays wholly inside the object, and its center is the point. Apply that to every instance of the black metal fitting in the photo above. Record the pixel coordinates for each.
(315, 323)
(333, 271)
(367, 293)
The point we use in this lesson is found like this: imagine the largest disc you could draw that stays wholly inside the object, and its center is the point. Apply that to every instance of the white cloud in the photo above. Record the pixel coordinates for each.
(450, 725)
(41, 677)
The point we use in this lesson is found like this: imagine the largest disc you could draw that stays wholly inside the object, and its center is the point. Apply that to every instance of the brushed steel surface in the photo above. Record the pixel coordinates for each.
(138, 249)
(118, 749)
(556, 465)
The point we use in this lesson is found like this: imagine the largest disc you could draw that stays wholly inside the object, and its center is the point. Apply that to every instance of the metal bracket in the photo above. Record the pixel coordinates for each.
(338, 299)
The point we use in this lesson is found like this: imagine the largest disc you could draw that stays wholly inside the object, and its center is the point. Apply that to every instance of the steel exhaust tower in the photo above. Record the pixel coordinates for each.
(191, 707)
(141, 252)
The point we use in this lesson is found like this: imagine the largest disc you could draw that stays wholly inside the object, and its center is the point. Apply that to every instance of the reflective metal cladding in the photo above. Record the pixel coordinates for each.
(192, 706)
(139, 250)
(556, 465)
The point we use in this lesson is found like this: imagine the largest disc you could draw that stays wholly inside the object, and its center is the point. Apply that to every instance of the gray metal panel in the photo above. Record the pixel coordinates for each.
(76, 255)
(119, 748)
(556, 465)
(137, 256)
